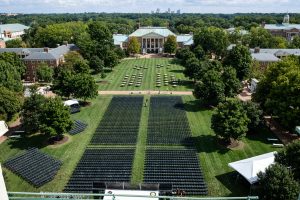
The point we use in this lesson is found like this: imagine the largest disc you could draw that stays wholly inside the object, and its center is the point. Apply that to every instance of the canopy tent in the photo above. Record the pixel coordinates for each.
(3, 192)
(71, 102)
(3, 128)
(250, 167)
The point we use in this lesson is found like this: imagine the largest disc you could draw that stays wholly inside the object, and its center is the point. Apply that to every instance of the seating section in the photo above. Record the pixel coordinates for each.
(168, 123)
(179, 167)
(34, 166)
(120, 123)
(101, 165)
(78, 127)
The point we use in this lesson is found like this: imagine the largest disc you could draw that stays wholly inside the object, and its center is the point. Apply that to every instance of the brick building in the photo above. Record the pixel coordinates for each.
(32, 57)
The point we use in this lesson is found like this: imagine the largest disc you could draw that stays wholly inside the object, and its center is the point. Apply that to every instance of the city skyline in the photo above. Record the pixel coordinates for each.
(146, 6)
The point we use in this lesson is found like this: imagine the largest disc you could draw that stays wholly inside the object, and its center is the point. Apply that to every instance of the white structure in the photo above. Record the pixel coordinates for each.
(253, 84)
(12, 31)
(3, 128)
(71, 102)
(297, 129)
(129, 193)
(152, 39)
(3, 192)
(250, 167)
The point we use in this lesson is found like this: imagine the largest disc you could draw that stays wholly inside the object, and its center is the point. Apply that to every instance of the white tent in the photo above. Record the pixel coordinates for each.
(71, 102)
(3, 192)
(250, 167)
(3, 128)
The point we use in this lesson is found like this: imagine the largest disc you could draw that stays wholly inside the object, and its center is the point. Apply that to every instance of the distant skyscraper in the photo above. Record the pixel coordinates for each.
(178, 11)
(157, 10)
(152, 12)
(169, 10)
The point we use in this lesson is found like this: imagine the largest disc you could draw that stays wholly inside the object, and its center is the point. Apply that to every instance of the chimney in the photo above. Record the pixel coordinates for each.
(256, 50)
(46, 49)
(65, 43)
(263, 24)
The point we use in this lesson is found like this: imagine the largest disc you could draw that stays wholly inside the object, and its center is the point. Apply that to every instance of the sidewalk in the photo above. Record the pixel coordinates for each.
(144, 92)
(283, 135)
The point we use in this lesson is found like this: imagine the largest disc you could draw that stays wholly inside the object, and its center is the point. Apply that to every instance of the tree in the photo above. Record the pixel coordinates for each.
(230, 120)
(170, 45)
(277, 183)
(71, 58)
(210, 90)
(55, 120)
(96, 64)
(199, 52)
(44, 73)
(212, 40)
(281, 80)
(32, 111)
(62, 84)
(10, 77)
(134, 46)
(239, 58)
(192, 68)
(14, 60)
(111, 59)
(184, 54)
(254, 113)
(295, 44)
(84, 86)
(81, 66)
(231, 82)
(16, 43)
(290, 157)
(10, 103)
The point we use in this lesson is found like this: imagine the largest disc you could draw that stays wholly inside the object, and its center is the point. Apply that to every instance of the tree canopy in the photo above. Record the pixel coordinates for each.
(170, 45)
(10, 103)
(230, 120)
(44, 73)
(10, 76)
(134, 46)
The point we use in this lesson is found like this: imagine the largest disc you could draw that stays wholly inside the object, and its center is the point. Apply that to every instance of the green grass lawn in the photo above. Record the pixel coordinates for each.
(115, 78)
(69, 153)
(214, 160)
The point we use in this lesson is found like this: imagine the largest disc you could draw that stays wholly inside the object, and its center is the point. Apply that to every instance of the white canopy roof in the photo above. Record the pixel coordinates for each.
(131, 192)
(3, 192)
(71, 102)
(250, 167)
(3, 128)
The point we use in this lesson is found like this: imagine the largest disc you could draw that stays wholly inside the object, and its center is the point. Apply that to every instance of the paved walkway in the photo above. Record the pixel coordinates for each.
(283, 135)
(143, 92)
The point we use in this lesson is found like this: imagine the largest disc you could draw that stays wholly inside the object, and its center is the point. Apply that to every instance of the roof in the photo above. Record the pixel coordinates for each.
(21, 50)
(3, 192)
(281, 26)
(250, 167)
(3, 128)
(186, 39)
(119, 38)
(71, 102)
(12, 27)
(142, 31)
(264, 57)
(280, 52)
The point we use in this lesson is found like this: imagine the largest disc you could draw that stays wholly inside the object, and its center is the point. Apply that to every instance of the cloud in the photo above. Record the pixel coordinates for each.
(35, 6)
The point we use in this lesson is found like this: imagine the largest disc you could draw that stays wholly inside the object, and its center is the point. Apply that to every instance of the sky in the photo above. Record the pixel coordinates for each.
(146, 6)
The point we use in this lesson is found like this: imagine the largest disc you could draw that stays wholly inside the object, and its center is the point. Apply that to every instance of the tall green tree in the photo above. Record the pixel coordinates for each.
(63, 80)
(96, 64)
(254, 113)
(134, 46)
(10, 77)
(290, 157)
(239, 58)
(44, 73)
(32, 112)
(55, 119)
(295, 44)
(281, 80)
(81, 66)
(16, 43)
(210, 89)
(231, 82)
(170, 45)
(10, 103)
(230, 120)
(212, 40)
(84, 86)
(277, 183)
(14, 60)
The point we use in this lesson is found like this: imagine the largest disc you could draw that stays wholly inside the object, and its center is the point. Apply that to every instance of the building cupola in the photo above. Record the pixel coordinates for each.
(286, 19)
